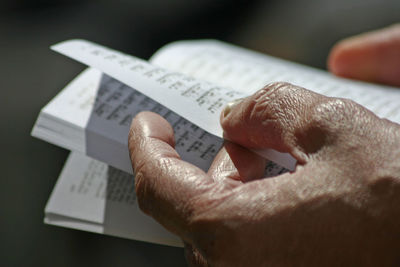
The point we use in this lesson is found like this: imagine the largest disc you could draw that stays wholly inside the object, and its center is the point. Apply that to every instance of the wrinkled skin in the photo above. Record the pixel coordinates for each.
(341, 205)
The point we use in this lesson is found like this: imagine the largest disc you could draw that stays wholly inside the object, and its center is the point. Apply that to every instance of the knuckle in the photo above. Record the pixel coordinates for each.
(335, 114)
(269, 101)
(273, 92)
(279, 103)
(329, 121)
(338, 120)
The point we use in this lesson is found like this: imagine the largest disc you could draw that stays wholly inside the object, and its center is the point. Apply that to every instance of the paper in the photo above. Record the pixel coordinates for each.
(247, 71)
(91, 196)
(63, 120)
(197, 101)
(113, 109)
(92, 115)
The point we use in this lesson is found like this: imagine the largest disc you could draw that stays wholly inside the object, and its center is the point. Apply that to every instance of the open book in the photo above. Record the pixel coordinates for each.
(188, 83)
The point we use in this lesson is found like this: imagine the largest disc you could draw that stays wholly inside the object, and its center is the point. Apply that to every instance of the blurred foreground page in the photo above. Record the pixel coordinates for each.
(91, 196)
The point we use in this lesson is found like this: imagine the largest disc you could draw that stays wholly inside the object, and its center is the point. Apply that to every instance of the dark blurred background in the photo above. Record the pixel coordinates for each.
(31, 75)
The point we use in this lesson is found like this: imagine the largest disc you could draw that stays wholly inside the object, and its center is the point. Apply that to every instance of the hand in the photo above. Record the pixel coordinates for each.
(340, 206)
(373, 57)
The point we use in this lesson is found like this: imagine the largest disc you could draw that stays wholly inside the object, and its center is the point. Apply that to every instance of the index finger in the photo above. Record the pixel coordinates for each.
(372, 56)
(166, 186)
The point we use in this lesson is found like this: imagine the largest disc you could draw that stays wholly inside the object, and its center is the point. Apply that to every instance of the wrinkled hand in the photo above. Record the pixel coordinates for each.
(340, 205)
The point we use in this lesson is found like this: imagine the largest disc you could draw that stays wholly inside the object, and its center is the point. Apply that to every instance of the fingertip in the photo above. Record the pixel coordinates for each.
(230, 116)
(150, 124)
(336, 60)
(148, 128)
(372, 56)
(352, 58)
(229, 109)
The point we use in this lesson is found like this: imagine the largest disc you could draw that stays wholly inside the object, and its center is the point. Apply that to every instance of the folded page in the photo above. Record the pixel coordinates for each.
(197, 101)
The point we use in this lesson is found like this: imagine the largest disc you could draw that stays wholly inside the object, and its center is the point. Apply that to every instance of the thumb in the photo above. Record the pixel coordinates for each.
(289, 119)
(372, 56)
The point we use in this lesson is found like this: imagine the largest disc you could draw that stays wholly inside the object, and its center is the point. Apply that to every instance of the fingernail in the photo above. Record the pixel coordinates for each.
(230, 105)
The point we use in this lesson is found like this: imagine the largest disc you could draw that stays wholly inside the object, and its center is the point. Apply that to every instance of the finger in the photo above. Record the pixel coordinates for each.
(165, 185)
(279, 116)
(236, 163)
(373, 56)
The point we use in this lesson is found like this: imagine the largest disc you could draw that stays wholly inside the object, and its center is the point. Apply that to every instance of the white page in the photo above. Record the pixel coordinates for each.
(91, 196)
(63, 120)
(92, 115)
(195, 100)
(115, 106)
(198, 101)
(247, 71)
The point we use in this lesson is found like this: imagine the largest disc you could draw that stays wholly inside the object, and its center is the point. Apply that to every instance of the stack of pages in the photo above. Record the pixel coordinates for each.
(188, 83)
